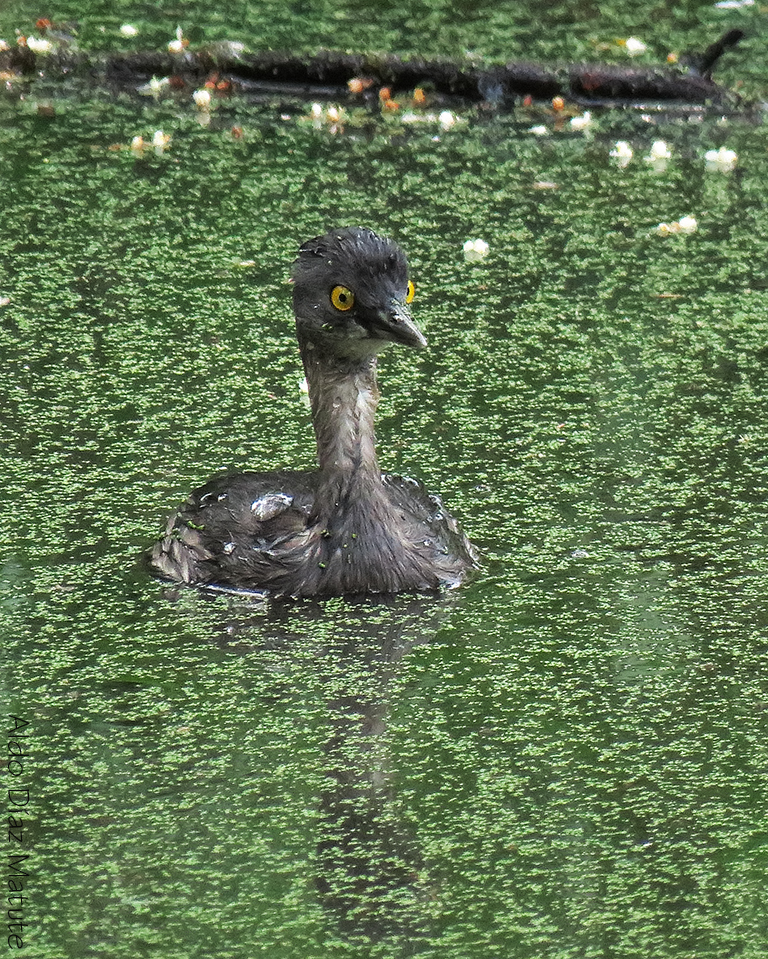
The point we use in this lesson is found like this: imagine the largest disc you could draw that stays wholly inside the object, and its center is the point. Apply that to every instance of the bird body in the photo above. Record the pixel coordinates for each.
(345, 528)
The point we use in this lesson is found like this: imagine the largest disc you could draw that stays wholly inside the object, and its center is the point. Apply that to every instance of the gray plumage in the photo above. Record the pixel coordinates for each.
(344, 528)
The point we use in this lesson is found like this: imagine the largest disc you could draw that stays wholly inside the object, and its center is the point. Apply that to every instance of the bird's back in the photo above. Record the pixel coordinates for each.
(259, 531)
(232, 530)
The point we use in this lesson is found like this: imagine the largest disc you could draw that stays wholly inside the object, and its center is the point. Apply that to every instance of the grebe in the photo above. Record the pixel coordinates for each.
(344, 528)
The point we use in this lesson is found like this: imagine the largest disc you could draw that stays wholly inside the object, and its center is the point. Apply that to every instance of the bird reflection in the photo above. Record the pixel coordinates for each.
(369, 865)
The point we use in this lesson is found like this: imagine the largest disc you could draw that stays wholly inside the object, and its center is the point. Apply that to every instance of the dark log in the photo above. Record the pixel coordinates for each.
(599, 83)
(330, 71)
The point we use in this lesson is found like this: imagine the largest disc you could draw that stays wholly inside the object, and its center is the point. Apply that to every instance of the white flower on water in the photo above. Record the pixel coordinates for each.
(155, 87)
(178, 45)
(622, 152)
(721, 160)
(659, 151)
(538, 131)
(685, 225)
(202, 99)
(160, 141)
(475, 250)
(634, 47)
(582, 122)
(36, 45)
(658, 156)
(137, 144)
(331, 116)
(128, 30)
(447, 119)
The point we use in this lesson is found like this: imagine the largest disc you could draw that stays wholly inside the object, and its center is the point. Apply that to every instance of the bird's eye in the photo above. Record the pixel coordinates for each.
(411, 292)
(342, 298)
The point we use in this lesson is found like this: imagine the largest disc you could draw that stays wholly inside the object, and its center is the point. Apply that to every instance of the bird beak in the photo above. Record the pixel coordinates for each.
(397, 324)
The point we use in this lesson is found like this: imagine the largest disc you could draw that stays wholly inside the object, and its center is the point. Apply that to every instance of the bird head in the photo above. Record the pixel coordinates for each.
(351, 293)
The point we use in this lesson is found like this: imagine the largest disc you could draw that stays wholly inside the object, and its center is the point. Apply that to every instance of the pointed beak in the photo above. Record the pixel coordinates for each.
(397, 324)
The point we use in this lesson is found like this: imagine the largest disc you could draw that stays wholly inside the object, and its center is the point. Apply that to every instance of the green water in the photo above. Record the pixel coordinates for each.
(567, 758)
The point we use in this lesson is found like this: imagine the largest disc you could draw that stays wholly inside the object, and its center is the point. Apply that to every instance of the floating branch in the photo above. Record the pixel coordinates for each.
(330, 72)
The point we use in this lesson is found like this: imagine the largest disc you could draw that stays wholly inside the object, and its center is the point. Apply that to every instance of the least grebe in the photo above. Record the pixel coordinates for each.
(344, 528)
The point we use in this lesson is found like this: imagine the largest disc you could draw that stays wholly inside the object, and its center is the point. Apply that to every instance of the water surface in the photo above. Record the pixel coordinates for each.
(566, 758)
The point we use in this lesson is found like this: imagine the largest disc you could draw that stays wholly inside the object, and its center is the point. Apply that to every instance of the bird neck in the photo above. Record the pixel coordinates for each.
(344, 395)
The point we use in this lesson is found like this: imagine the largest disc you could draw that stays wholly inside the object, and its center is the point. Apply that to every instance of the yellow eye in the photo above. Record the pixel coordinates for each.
(342, 298)
(411, 292)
